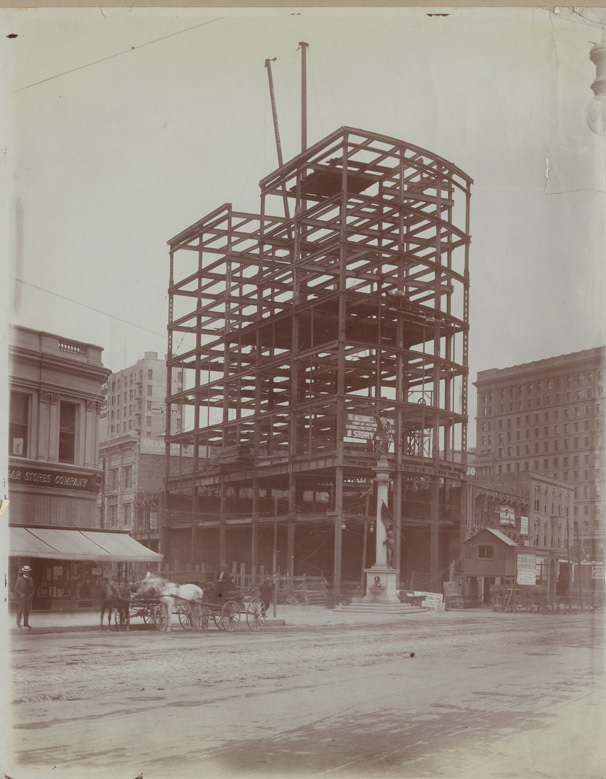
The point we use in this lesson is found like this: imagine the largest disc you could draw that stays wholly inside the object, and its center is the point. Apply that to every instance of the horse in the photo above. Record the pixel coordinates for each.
(166, 592)
(114, 596)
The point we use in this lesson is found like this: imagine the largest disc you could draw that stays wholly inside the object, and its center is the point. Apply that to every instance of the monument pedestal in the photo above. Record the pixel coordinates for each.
(381, 585)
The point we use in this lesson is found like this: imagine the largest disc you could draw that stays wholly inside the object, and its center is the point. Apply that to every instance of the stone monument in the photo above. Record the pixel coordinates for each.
(382, 578)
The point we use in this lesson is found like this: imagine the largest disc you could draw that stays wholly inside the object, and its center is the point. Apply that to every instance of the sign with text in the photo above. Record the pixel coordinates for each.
(65, 480)
(523, 526)
(360, 426)
(527, 569)
(507, 516)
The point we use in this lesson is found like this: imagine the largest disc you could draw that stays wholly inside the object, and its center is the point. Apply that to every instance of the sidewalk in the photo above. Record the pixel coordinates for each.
(291, 616)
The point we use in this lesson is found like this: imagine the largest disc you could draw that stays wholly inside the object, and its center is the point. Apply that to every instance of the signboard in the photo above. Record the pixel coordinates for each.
(527, 569)
(65, 480)
(152, 446)
(598, 572)
(155, 445)
(523, 526)
(364, 427)
(360, 426)
(153, 520)
(507, 516)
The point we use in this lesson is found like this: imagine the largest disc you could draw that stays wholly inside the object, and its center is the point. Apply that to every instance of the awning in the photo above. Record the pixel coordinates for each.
(121, 546)
(60, 544)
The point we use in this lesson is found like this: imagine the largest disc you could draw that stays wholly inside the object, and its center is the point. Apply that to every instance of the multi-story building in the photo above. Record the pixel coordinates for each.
(134, 468)
(324, 332)
(132, 449)
(547, 417)
(135, 400)
(54, 405)
(54, 477)
(533, 510)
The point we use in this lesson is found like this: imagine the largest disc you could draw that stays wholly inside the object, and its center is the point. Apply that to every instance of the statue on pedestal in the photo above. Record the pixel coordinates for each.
(389, 546)
(390, 536)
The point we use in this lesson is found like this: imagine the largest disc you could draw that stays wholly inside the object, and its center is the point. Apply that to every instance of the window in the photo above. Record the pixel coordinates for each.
(149, 390)
(128, 514)
(113, 516)
(128, 476)
(114, 479)
(150, 374)
(19, 416)
(67, 432)
(486, 551)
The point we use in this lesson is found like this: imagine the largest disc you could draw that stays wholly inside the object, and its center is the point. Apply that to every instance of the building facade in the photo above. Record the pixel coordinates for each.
(54, 474)
(134, 469)
(324, 332)
(136, 400)
(533, 510)
(132, 449)
(547, 417)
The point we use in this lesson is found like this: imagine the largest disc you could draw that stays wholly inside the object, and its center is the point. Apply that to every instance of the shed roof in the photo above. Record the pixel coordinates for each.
(501, 536)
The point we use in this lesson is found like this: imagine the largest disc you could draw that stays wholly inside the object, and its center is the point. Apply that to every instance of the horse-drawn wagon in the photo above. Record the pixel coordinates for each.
(157, 601)
(228, 607)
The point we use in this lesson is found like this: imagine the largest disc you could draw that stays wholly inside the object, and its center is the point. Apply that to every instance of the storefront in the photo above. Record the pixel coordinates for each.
(68, 564)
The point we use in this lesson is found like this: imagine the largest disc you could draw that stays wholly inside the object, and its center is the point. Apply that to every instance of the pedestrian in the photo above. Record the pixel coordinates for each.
(223, 582)
(24, 591)
(265, 591)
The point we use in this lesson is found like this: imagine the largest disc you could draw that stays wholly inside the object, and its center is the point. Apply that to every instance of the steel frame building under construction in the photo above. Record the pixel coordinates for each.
(328, 327)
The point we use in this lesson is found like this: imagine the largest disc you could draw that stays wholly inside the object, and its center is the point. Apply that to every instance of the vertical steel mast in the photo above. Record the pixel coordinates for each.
(303, 46)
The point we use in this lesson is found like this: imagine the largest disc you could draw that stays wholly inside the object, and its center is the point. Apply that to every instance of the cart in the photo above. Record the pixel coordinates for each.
(147, 609)
(229, 608)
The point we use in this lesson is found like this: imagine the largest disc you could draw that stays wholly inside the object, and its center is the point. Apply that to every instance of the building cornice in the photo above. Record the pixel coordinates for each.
(546, 366)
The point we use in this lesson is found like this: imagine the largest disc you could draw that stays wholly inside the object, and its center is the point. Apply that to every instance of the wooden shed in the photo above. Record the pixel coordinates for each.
(490, 553)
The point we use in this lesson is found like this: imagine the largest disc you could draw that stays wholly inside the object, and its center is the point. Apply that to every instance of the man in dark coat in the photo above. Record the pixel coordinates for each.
(24, 592)
(265, 591)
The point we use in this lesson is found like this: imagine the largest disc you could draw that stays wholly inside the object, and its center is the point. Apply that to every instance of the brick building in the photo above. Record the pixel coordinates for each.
(134, 469)
(547, 417)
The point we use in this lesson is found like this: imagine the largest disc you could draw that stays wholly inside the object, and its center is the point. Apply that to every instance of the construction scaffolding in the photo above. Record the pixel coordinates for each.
(328, 327)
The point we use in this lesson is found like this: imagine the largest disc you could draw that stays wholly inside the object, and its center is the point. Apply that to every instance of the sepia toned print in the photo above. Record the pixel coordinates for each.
(305, 392)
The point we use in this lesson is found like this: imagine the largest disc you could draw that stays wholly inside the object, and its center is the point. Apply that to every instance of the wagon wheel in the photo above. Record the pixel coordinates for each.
(160, 618)
(255, 615)
(230, 615)
(185, 617)
(120, 619)
(218, 619)
(149, 615)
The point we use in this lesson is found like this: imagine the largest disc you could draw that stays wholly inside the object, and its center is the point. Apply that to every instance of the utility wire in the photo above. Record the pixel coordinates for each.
(119, 53)
(90, 308)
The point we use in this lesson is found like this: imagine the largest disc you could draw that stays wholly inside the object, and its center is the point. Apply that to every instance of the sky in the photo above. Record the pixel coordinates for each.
(126, 125)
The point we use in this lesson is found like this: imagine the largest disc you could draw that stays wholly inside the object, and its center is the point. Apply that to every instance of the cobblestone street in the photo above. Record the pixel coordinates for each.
(485, 694)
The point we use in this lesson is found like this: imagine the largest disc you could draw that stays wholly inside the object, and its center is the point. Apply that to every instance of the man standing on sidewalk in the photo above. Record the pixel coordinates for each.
(24, 592)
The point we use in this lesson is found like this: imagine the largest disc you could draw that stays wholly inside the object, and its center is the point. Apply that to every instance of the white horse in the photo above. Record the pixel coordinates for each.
(166, 592)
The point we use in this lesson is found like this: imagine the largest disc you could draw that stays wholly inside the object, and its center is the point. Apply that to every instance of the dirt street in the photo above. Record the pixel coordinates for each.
(485, 695)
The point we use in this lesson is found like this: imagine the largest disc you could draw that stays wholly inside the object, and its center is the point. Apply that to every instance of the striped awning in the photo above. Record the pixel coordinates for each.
(62, 544)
